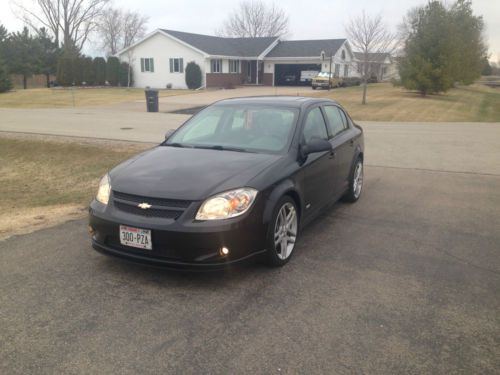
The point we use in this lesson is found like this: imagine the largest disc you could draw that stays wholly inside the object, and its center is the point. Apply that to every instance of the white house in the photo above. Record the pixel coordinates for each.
(380, 65)
(160, 58)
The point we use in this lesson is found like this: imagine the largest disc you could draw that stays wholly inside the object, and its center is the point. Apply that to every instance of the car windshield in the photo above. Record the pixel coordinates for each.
(245, 128)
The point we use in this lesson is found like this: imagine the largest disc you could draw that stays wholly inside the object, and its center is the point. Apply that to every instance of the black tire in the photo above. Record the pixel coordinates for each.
(314, 87)
(352, 195)
(273, 257)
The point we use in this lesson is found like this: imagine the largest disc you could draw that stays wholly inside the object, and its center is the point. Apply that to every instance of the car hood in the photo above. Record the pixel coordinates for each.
(187, 173)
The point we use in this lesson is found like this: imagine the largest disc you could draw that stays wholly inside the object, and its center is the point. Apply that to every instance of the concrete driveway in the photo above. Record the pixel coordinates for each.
(407, 280)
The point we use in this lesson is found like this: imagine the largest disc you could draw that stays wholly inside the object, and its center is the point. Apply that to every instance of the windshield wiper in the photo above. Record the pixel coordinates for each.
(222, 148)
(174, 144)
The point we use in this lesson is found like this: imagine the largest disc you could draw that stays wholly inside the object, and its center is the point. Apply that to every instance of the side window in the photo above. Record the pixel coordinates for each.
(344, 118)
(314, 126)
(336, 119)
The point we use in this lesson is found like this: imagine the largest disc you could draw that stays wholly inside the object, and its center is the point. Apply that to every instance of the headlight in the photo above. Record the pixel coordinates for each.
(226, 205)
(104, 190)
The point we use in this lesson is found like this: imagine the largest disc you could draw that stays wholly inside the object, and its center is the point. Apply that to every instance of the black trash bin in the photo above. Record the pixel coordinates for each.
(152, 100)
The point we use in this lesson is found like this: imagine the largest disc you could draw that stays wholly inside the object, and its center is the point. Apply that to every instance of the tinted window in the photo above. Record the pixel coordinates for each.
(247, 127)
(336, 120)
(344, 118)
(314, 126)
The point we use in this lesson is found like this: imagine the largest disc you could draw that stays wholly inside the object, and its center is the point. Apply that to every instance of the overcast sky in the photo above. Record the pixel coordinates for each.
(308, 19)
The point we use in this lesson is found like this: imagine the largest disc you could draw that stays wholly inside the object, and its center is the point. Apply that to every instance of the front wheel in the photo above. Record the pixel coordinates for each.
(355, 182)
(282, 233)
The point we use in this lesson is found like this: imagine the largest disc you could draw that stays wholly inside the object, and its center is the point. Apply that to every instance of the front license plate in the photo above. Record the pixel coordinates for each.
(136, 237)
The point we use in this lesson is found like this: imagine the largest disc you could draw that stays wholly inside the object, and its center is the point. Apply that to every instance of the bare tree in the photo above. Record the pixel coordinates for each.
(110, 29)
(254, 19)
(74, 20)
(369, 36)
(119, 29)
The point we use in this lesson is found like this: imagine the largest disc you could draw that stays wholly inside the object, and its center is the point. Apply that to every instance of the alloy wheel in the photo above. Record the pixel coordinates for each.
(358, 180)
(285, 230)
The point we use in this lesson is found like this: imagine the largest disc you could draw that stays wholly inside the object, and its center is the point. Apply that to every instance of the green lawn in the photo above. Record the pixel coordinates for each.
(475, 103)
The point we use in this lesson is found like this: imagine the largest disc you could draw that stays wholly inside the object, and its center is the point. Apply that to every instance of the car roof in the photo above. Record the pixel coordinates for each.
(283, 100)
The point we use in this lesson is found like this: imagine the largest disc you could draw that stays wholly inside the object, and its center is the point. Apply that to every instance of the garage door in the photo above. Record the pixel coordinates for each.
(294, 74)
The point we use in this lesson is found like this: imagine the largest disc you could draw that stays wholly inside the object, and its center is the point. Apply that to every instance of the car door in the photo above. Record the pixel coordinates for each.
(317, 176)
(343, 147)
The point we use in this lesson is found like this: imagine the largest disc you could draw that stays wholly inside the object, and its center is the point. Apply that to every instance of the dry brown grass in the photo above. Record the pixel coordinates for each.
(78, 97)
(44, 182)
(387, 103)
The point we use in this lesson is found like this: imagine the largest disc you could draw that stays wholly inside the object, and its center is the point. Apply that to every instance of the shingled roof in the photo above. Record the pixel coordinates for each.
(214, 45)
(378, 57)
(306, 48)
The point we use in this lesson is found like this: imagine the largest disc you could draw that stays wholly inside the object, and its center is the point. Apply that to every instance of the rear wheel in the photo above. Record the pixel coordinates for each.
(355, 182)
(282, 233)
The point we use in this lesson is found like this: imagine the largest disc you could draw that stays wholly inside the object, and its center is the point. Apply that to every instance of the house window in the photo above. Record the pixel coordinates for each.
(176, 65)
(216, 65)
(346, 70)
(147, 64)
(343, 55)
(337, 70)
(234, 66)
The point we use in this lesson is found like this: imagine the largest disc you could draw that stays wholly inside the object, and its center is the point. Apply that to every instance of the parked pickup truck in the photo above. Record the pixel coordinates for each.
(325, 80)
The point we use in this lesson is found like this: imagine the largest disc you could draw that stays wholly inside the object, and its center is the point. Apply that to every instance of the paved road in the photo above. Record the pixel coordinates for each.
(458, 147)
(91, 123)
(405, 281)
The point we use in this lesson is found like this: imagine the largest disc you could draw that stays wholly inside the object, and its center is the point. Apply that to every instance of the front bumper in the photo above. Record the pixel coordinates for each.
(182, 242)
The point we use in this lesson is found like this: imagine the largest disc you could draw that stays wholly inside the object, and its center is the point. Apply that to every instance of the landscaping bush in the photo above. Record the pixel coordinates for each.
(65, 71)
(113, 70)
(88, 73)
(193, 75)
(351, 81)
(396, 82)
(100, 70)
(5, 83)
(124, 71)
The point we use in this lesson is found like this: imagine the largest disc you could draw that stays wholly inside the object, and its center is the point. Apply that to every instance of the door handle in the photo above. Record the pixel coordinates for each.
(332, 154)
(351, 142)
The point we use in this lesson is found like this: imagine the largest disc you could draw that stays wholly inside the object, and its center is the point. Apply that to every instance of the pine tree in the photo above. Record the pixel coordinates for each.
(5, 83)
(444, 46)
(100, 70)
(113, 70)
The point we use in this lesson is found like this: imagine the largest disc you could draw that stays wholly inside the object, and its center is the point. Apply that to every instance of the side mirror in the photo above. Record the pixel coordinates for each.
(169, 133)
(315, 145)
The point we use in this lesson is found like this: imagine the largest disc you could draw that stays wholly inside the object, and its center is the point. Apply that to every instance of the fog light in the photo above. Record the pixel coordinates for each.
(224, 251)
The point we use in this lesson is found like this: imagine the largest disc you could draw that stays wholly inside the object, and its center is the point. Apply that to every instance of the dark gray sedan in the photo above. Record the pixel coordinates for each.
(238, 180)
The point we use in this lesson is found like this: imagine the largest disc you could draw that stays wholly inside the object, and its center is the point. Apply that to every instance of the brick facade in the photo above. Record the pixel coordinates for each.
(225, 80)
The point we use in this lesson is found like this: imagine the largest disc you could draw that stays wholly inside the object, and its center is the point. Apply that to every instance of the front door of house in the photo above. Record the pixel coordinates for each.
(249, 72)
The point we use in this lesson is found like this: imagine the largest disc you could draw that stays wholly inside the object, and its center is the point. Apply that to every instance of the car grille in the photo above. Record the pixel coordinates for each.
(160, 207)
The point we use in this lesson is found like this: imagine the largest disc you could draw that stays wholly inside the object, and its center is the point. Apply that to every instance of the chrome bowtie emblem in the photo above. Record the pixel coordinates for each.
(144, 205)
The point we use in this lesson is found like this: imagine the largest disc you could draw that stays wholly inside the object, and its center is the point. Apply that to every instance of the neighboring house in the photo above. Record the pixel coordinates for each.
(160, 58)
(291, 57)
(380, 65)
